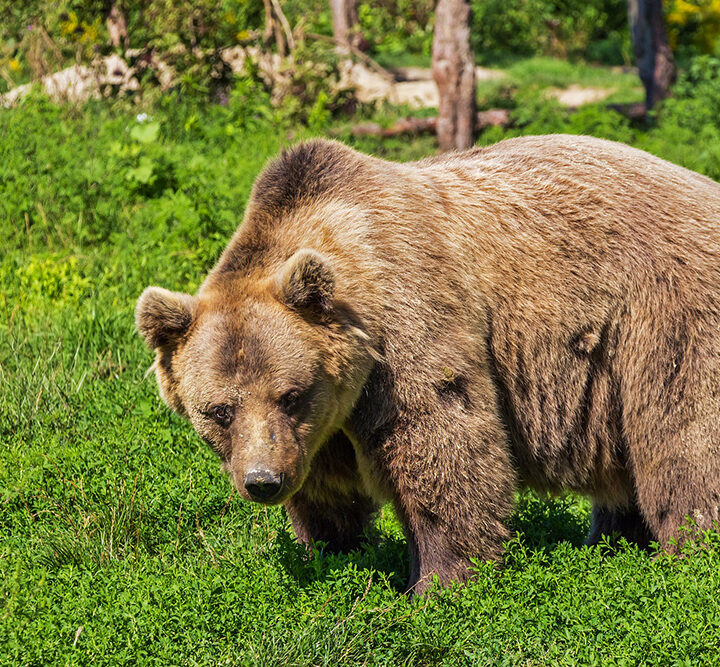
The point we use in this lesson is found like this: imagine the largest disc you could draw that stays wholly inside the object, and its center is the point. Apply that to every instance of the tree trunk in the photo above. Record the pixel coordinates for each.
(345, 20)
(652, 52)
(453, 68)
(117, 26)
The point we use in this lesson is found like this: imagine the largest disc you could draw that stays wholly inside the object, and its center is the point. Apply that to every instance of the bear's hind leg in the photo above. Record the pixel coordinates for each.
(331, 506)
(670, 396)
(675, 461)
(616, 523)
(674, 490)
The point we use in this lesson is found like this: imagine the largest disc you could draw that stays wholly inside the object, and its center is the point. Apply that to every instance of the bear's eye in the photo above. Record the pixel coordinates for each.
(289, 400)
(222, 414)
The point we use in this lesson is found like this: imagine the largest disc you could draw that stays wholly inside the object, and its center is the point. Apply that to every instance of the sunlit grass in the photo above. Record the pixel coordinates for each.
(120, 539)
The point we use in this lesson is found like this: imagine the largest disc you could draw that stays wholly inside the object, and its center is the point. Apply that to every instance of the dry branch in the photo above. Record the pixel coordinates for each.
(285, 25)
(634, 111)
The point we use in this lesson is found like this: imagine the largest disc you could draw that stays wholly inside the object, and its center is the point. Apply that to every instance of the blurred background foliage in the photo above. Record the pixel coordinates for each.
(37, 36)
(694, 27)
(541, 45)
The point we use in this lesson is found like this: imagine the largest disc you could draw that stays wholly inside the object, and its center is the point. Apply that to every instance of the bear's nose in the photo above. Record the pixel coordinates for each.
(263, 484)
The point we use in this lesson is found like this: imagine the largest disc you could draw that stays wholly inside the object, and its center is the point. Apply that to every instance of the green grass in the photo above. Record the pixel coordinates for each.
(534, 78)
(541, 73)
(120, 539)
(405, 59)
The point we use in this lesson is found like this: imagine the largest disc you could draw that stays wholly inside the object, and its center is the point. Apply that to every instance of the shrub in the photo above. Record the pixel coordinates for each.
(694, 23)
(546, 27)
(696, 102)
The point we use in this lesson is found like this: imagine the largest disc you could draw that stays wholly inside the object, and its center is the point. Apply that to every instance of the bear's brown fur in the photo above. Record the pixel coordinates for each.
(542, 312)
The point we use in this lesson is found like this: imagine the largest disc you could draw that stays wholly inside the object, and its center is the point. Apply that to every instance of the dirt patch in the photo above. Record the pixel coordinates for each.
(411, 86)
(576, 96)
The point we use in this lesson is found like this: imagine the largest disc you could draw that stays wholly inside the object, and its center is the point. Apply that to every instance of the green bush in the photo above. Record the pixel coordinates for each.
(41, 36)
(395, 28)
(595, 30)
(695, 102)
(694, 26)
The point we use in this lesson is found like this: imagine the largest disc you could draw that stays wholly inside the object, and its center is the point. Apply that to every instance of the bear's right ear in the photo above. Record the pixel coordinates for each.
(307, 280)
(162, 316)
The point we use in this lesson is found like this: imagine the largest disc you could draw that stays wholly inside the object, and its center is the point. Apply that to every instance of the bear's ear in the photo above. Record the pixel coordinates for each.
(307, 281)
(162, 316)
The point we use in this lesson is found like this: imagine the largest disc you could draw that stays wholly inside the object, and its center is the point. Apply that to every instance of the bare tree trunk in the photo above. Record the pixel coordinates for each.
(344, 19)
(117, 26)
(453, 69)
(652, 52)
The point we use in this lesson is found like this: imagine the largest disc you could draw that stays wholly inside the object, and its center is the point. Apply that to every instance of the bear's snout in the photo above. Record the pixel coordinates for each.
(263, 485)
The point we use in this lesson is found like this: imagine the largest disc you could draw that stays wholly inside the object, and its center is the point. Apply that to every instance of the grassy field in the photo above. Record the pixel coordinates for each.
(120, 539)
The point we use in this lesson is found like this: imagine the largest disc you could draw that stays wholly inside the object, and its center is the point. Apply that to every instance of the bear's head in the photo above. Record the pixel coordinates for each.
(266, 367)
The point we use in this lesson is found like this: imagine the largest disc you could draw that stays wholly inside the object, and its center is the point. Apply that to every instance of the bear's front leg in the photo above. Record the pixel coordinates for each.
(435, 553)
(330, 506)
(454, 488)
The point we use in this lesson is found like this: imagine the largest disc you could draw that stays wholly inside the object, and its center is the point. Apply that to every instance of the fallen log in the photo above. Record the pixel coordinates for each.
(483, 119)
(635, 111)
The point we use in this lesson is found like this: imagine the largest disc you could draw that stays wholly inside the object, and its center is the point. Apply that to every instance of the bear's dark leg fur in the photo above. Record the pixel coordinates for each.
(433, 553)
(331, 506)
(617, 523)
(453, 508)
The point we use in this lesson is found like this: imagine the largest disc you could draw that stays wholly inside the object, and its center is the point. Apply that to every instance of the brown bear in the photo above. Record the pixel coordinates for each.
(544, 312)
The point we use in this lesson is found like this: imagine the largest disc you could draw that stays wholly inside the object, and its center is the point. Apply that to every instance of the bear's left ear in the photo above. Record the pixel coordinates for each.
(307, 281)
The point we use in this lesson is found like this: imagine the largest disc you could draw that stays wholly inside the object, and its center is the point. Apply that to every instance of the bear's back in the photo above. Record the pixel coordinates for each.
(539, 169)
(562, 210)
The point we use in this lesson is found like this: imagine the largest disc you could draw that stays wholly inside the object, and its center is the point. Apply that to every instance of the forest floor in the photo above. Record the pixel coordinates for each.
(414, 86)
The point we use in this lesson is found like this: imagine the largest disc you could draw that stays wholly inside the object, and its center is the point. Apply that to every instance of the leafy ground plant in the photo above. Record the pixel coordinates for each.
(121, 541)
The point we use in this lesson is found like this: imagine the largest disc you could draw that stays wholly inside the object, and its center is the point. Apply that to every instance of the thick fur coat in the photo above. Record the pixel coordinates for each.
(543, 312)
